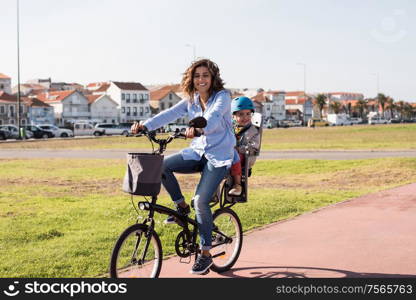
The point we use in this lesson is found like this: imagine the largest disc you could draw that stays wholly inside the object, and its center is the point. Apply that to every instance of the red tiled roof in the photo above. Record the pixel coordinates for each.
(91, 98)
(3, 76)
(344, 93)
(35, 102)
(7, 97)
(130, 86)
(299, 101)
(57, 96)
(159, 94)
(275, 92)
(295, 93)
(103, 88)
(260, 97)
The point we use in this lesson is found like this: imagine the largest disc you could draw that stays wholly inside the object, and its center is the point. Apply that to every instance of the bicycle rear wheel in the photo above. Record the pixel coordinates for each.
(227, 241)
(137, 254)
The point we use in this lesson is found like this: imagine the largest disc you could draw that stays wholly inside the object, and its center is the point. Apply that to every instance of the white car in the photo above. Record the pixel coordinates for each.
(377, 120)
(113, 129)
(57, 132)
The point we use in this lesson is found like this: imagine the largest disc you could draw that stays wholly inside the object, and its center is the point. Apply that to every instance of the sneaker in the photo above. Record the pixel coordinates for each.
(202, 264)
(183, 211)
(236, 190)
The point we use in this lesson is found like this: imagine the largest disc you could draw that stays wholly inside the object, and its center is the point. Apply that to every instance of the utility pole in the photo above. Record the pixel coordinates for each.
(18, 73)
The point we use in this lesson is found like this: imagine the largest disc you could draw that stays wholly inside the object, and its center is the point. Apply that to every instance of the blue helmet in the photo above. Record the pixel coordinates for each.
(241, 103)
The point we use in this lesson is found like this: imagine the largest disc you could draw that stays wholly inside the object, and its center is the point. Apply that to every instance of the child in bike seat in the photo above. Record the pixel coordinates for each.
(246, 133)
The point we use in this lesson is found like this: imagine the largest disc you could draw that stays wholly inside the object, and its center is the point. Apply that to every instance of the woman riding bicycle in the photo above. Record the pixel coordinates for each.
(211, 153)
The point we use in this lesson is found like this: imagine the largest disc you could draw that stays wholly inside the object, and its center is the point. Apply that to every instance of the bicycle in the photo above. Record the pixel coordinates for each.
(138, 250)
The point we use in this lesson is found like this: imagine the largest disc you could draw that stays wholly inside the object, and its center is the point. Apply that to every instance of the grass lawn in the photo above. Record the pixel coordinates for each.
(62, 220)
(362, 137)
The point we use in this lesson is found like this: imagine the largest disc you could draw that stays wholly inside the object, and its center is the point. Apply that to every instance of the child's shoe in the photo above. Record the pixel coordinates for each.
(236, 190)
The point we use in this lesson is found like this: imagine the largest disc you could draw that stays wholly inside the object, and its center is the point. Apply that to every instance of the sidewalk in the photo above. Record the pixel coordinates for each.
(370, 236)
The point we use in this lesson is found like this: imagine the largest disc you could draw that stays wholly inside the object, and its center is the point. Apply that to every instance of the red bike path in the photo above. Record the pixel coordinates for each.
(370, 236)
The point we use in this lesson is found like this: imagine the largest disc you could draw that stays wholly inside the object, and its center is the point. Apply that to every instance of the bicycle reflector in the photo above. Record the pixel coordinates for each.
(144, 205)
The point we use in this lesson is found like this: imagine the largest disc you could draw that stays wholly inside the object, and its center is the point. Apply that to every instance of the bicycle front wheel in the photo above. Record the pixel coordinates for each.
(227, 239)
(137, 254)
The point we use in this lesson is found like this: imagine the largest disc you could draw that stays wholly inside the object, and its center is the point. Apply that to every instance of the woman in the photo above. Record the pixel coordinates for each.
(211, 153)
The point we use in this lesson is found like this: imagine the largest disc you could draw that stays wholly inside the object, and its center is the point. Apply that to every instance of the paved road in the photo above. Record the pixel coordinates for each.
(292, 154)
(370, 236)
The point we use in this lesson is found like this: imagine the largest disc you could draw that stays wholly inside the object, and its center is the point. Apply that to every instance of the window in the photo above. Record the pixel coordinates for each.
(170, 96)
(123, 96)
(141, 111)
(2, 109)
(141, 96)
(135, 109)
(123, 110)
(162, 106)
(146, 97)
(147, 109)
(128, 98)
(170, 105)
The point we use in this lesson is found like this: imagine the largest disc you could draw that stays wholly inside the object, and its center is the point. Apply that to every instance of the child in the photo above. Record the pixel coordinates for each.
(246, 133)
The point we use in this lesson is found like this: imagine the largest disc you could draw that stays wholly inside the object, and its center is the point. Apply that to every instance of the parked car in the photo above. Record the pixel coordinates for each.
(172, 127)
(38, 132)
(57, 132)
(113, 129)
(314, 122)
(338, 119)
(377, 120)
(14, 131)
(356, 121)
(87, 129)
(4, 134)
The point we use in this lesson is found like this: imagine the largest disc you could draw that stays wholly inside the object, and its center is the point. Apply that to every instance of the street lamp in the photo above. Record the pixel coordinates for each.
(193, 49)
(18, 73)
(304, 81)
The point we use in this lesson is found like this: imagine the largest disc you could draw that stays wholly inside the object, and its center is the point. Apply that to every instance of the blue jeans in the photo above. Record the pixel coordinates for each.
(210, 179)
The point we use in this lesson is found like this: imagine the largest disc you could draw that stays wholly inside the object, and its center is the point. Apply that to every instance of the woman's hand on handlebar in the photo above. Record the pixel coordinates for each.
(136, 127)
(192, 132)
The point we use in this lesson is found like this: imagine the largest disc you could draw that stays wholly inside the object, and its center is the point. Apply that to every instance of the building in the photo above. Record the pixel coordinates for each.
(39, 112)
(164, 98)
(298, 107)
(5, 84)
(132, 98)
(8, 110)
(103, 109)
(69, 106)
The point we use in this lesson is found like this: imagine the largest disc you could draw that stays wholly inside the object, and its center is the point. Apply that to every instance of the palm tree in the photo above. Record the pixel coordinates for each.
(320, 101)
(336, 107)
(382, 100)
(408, 110)
(391, 106)
(400, 107)
(361, 107)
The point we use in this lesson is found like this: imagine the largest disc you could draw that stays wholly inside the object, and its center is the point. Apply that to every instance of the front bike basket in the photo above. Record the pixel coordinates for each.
(143, 174)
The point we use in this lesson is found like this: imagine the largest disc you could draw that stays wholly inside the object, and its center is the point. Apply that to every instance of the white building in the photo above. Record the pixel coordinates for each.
(298, 106)
(5, 84)
(68, 106)
(133, 99)
(103, 109)
(164, 98)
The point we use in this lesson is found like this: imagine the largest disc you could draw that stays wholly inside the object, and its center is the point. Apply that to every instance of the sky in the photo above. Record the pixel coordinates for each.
(364, 46)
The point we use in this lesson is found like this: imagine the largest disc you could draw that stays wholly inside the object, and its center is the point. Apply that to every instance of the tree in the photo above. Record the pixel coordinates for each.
(320, 101)
(400, 107)
(408, 110)
(361, 107)
(391, 106)
(336, 107)
(382, 100)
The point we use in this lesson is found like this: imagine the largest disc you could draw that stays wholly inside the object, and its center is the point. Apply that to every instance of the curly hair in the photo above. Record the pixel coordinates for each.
(187, 83)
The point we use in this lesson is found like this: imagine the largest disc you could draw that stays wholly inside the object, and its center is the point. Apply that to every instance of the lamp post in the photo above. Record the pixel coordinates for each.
(304, 82)
(18, 73)
(193, 49)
